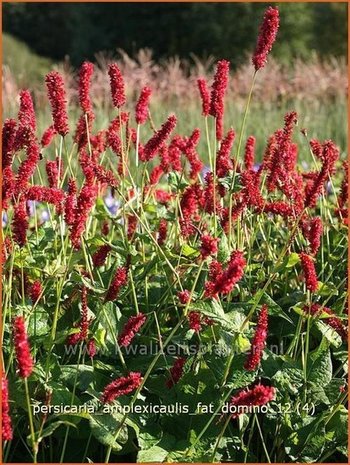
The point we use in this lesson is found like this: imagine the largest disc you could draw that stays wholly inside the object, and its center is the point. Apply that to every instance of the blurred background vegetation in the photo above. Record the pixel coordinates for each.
(306, 71)
(223, 30)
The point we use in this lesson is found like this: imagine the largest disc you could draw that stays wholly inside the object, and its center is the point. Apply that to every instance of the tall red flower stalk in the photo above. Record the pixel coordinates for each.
(58, 101)
(312, 230)
(176, 372)
(28, 166)
(223, 160)
(6, 422)
(223, 281)
(8, 142)
(255, 397)
(85, 74)
(119, 280)
(20, 222)
(266, 38)
(26, 114)
(48, 136)
(141, 109)
(258, 342)
(85, 201)
(309, 271)
(99, 257)
(70, 202)
(217, 95)
(130, 329)
(249, 153)
(35, 291)
(205, 96)
(209, 246)
(162, 231)
(157, 140)
(121, 387)
(22, 348)
(328, 155)
(117, 85)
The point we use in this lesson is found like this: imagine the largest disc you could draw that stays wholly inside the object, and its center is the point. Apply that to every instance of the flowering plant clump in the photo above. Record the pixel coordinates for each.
(168, 303)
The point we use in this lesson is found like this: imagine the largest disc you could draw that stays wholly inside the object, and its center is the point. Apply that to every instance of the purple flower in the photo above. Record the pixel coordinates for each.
(112, 204)
(4, 219)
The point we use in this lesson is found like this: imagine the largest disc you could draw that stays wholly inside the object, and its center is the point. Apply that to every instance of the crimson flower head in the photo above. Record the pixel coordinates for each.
(85, 74)
(20, 223)
(258, 342)
(121, 387)
(162, 231)
(48, 136)
(218, 89)
(256, 396)
(157, 140)
(26, 115)
(309, 271)
(205, 96)
(22, 348)
(223, 281)
(266, 38)
(176, 372)
(184, 296)
(209, 246)
(117, 85)
(132, 327)
(249, 153)
(119, 280)
(99, 257)
(333, 321)
(35, 291)
(223, 160)
(58, 101)
(141, 110)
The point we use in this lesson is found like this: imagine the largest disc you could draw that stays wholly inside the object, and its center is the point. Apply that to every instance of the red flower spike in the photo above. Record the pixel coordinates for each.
(22, 348)
(223, 160)
(266, 38)
(119, 280)
(35, 291)
(223, 281)
(249, 153)
(205, 95)
(58, 101)
(99, 257)
(130, 329)
(176, 372)
(162, 231)
(117, 85)
(258, 342)
(6, 422)
(48, 136)
(184, 296)
(219, 88)
(256, 396)
(141, 110)
(20, 223)
(309, 271)
(85, 73)
(26, 114)
(157, 140)
(209, 246)
(121, 387)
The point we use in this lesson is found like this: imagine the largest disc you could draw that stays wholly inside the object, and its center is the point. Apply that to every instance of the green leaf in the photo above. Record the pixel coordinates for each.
(105, 427)
(155, 454)
(319, 365)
